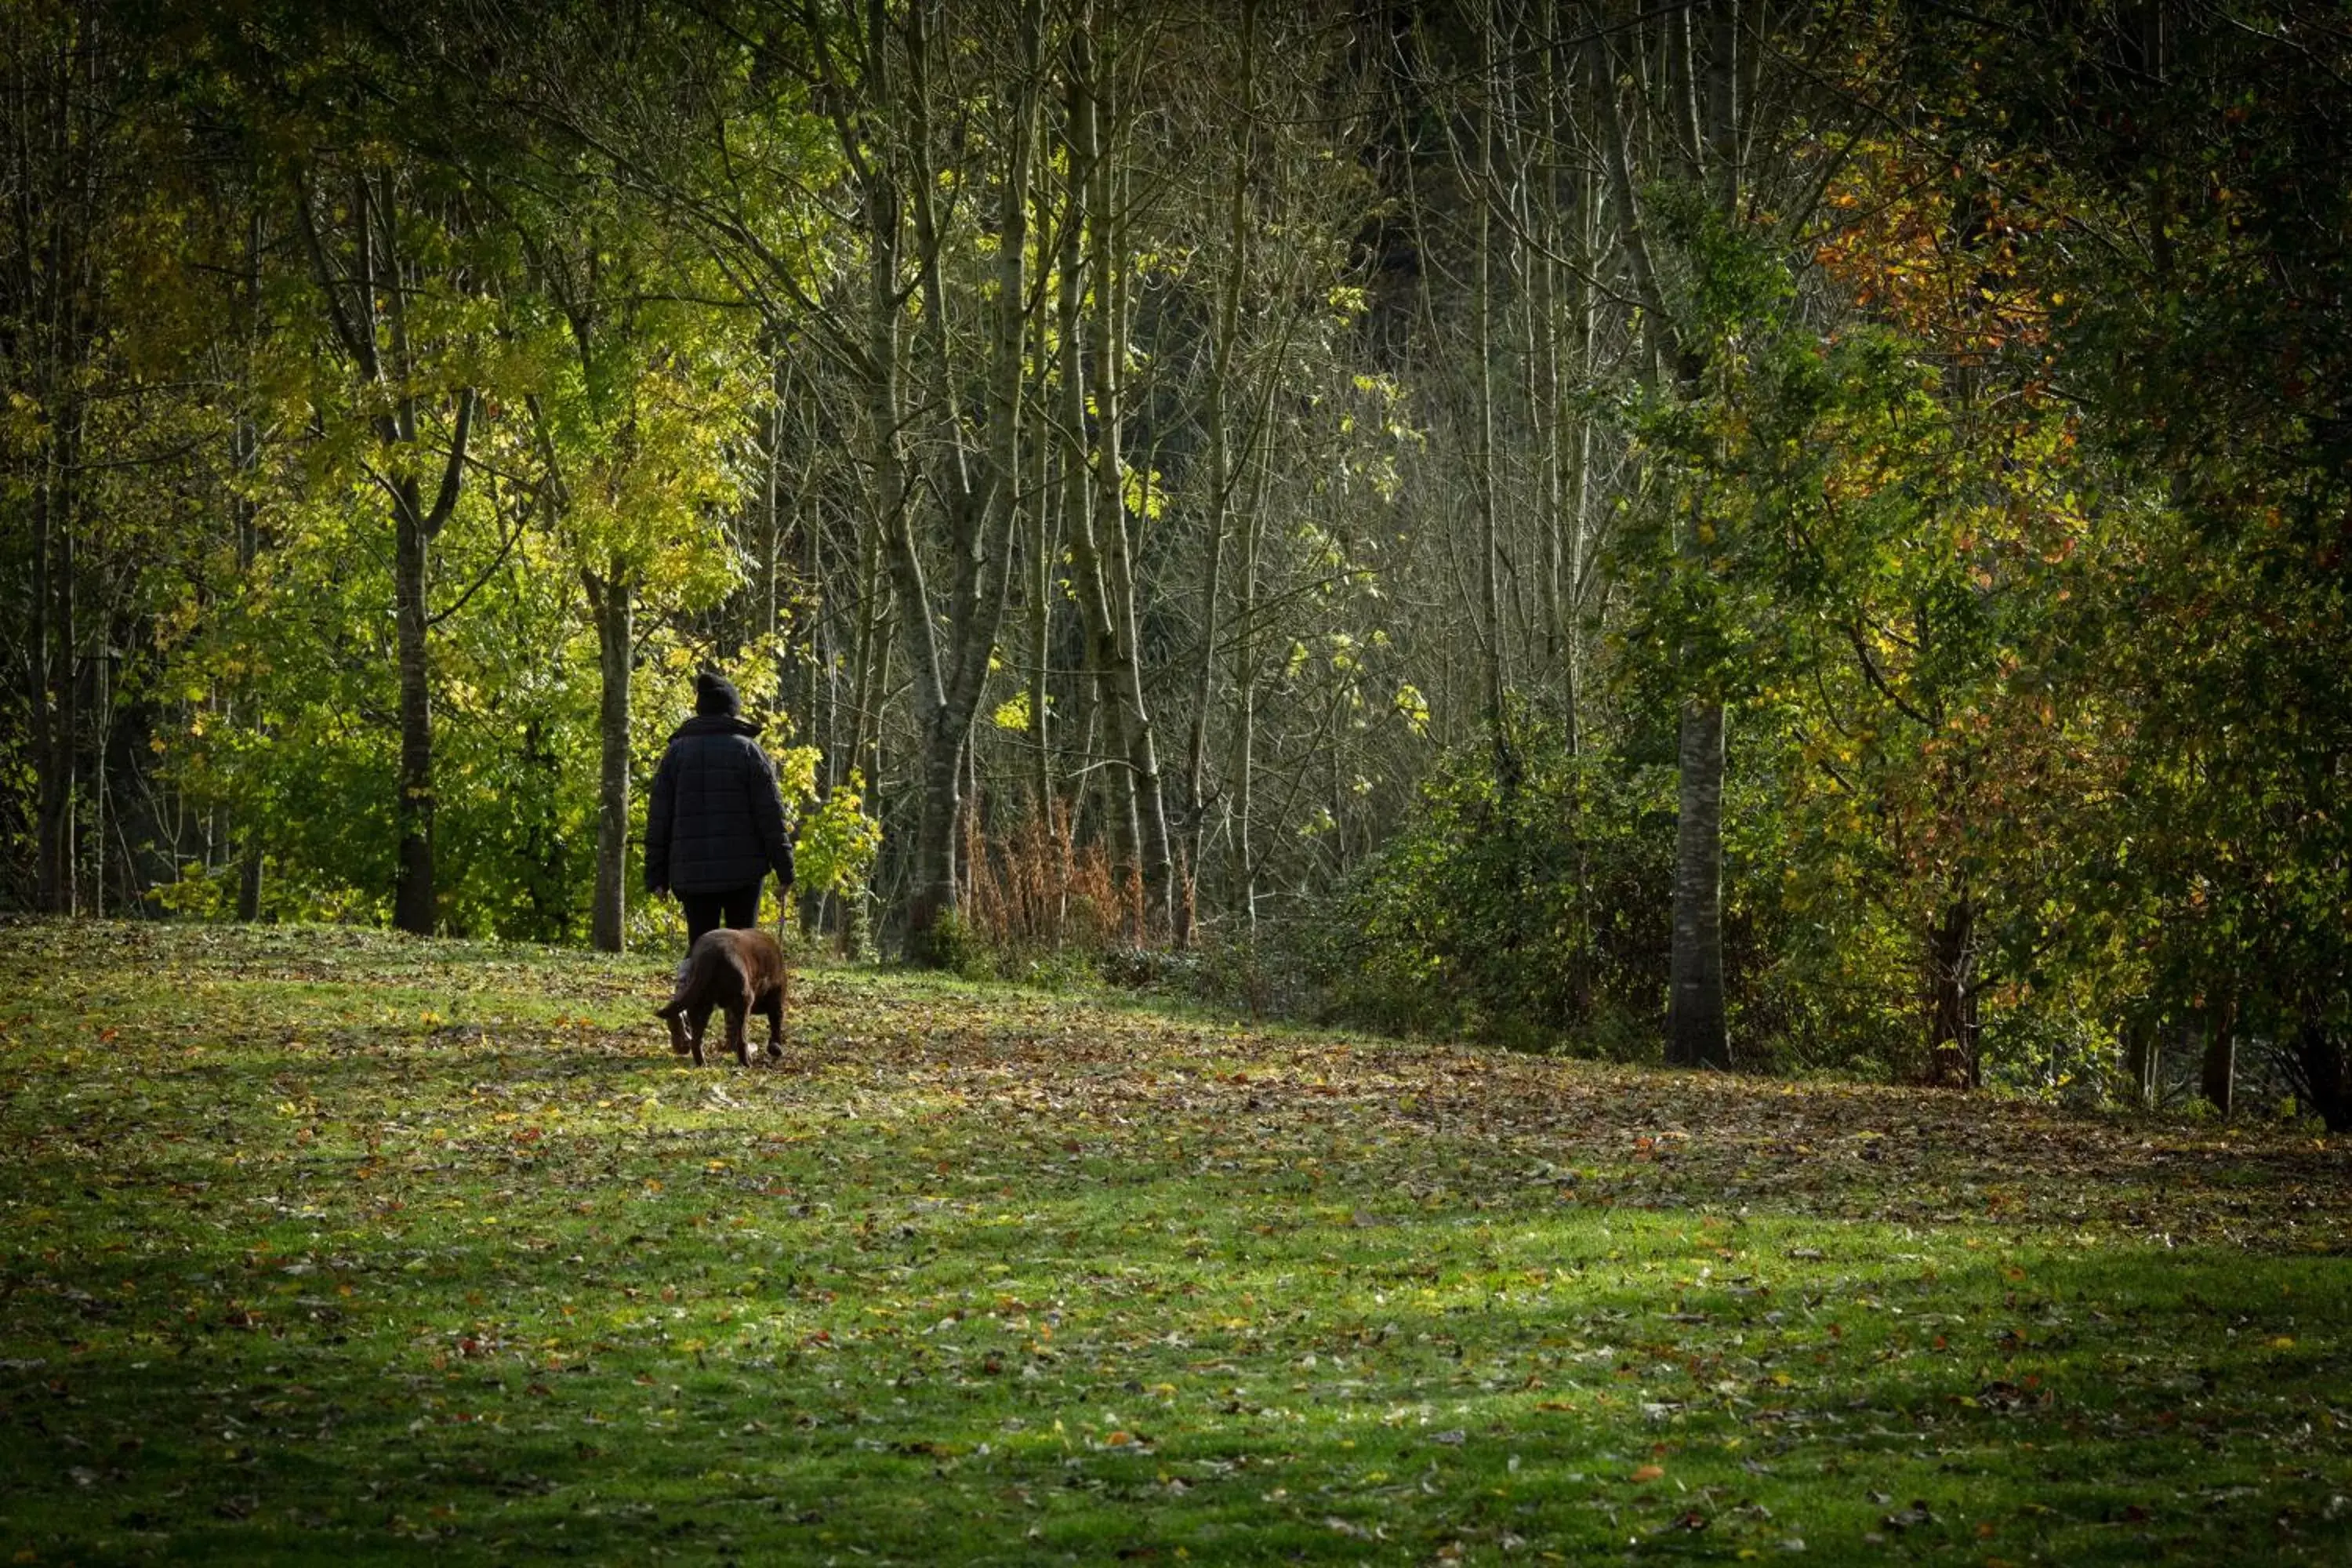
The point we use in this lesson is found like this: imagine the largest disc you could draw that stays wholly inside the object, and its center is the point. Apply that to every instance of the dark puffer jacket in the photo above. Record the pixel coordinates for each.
(716, 819)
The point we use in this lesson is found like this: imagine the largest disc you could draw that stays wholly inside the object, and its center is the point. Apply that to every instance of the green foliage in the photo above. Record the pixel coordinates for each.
(835, 848)
(1539, 917)
(957, 947)
(1528, 915)
(2211, 867)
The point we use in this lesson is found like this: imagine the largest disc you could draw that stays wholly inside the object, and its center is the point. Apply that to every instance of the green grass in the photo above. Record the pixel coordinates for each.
(325, 1245)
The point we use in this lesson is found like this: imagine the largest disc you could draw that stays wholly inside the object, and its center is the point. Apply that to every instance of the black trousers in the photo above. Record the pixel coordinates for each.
(739, 908)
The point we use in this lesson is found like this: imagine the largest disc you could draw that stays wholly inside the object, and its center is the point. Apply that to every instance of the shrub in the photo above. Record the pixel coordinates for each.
(1523, 915)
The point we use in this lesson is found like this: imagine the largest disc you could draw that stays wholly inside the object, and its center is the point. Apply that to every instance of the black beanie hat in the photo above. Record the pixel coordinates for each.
(714, 695)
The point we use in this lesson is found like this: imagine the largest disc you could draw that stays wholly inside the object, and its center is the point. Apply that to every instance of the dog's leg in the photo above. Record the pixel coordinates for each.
(775, 1011)
(739, 1013)
(701, 1012)
(681, 1001)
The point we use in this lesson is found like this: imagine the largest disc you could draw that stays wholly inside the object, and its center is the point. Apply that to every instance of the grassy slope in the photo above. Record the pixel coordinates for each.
(323, 1244)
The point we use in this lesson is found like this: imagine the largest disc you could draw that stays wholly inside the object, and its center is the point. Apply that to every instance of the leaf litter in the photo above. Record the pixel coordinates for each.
(322, 1240)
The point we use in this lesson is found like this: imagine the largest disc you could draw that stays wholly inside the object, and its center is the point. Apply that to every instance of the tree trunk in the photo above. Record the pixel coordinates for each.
(868, 679)
(1086, 575)
(1571, 463)
(1576, 445)
(56, 710)
(2217, 1080)
(2143, 1045)
(611, 600)
(934, 889)
(868, 653)
(934, 894)
(1700, 1037)
(1244, 870)
(1538, 206)
(1724, 109)
(1696, 1031)
(248, 879)
(1106, 231)
(246, 460)
(1045, 513)
(1216, 416)
(1156, 859)
(413, 811)
(60, 191)
(1696, 1025)
(1040, 594)
(1952, 997)
(1490, 546)
(377, 292)
(2321, 1066)
(981, 494)
(941, 741)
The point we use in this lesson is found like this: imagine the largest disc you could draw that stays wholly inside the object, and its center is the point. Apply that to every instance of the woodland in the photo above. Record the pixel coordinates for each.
(1341, 592)
(1800, 537)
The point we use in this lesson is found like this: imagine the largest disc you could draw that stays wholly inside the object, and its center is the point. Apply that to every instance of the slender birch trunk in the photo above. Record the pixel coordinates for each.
(1106, 231)
(1490, 547)
(1216, 417)
(1079, 490)
(613, 603)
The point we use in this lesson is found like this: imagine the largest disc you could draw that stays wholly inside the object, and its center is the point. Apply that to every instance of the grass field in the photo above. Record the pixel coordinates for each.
(323, 1244)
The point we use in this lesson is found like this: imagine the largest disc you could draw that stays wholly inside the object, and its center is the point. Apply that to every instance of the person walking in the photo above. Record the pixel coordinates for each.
(715, 824)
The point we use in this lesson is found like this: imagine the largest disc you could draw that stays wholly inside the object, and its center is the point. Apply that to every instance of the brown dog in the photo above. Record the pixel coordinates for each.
(741, 972)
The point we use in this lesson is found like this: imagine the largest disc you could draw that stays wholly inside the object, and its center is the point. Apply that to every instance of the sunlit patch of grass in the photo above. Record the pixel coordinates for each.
(322, 1243)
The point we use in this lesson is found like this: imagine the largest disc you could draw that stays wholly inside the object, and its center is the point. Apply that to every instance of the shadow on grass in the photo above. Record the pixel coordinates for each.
(275, 1292)
(1122, 1367)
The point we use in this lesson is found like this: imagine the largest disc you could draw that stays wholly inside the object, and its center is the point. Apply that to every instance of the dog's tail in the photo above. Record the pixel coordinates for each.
(682, 991)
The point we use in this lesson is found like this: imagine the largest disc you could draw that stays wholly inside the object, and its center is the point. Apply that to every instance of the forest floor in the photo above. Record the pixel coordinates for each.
(329, 1245)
